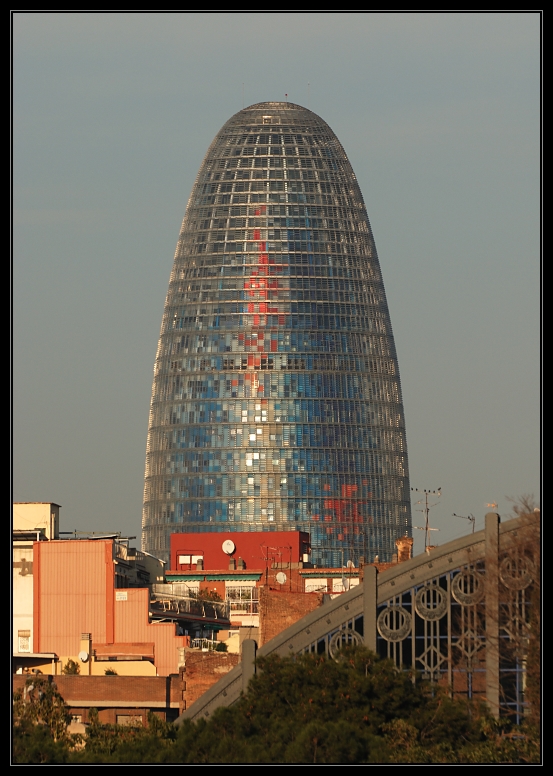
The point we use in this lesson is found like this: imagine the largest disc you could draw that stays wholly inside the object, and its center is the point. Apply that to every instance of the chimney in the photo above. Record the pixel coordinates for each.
(85, 653)
(241, 564)
(232, 564)
(404, 548)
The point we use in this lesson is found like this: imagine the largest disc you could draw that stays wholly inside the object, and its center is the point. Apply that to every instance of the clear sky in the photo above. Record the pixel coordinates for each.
(439, 114)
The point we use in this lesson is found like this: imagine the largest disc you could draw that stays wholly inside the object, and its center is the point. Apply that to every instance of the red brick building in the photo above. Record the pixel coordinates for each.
(119, 700)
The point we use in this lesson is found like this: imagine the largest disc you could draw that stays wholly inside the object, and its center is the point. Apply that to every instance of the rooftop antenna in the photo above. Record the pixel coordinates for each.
(426, 509)
(309, 95)
(242, 96)
(286, 97)
(470, 517)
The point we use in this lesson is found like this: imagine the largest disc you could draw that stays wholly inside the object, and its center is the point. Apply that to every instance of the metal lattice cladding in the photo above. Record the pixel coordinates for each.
(276, 402)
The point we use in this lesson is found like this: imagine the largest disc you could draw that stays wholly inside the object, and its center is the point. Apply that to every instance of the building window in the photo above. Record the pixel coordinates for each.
(24, 637)
(243, 599)
(187, 560)
(343, 584)
(315, 585)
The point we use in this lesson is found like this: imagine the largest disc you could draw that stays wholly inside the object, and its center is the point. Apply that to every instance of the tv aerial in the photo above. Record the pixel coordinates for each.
(426, 509)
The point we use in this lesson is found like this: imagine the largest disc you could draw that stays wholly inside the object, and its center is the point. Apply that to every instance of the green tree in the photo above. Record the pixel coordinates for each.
(40, 703)
(106, 743)
(209, 595)
(310, 710)
(40, 718)
(357, 709)
(33, 745)
(71, 668)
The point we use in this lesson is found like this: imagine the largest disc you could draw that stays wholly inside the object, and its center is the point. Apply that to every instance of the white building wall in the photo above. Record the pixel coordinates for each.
(37, 515)
(22, 597)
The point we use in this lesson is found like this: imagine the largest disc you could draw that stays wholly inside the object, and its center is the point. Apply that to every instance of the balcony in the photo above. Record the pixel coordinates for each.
(165, 604)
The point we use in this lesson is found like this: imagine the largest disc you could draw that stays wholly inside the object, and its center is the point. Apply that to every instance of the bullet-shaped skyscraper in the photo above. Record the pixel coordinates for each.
(276, 402)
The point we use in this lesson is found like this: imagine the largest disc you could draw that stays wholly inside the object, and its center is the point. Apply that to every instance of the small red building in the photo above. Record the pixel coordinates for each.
(238, 551)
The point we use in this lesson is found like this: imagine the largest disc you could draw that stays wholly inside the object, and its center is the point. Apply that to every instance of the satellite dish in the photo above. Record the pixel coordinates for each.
(281, 577)
(83, 656)
(350, 564)
(228, 547)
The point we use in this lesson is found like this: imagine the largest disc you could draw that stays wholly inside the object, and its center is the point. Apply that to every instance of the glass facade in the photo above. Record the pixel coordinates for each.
(276, 402)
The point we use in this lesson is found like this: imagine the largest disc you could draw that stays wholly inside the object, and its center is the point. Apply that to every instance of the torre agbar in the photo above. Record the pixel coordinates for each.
(276, 402)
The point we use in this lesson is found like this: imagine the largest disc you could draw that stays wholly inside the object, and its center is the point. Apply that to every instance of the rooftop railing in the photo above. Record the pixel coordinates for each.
(162, 599)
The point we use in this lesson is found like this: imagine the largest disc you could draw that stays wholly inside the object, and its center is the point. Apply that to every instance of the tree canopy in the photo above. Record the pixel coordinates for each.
(308, 709)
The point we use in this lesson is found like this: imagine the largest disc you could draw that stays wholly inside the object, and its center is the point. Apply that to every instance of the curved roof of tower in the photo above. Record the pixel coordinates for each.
(277, 106)
(265, 109)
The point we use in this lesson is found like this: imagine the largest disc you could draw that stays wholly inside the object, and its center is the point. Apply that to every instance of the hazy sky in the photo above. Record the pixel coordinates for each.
(113, 113)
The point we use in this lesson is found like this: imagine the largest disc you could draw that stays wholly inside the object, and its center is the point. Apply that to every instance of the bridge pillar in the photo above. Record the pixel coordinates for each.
(370, 589)
(492, 611)
(249, 650)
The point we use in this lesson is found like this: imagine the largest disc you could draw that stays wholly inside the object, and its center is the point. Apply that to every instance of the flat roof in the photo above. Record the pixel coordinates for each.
(52, 503)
